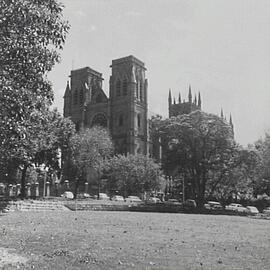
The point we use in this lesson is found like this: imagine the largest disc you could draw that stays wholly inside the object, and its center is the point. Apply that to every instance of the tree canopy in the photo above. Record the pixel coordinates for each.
(45, 135)
(31, 34)
(194, 145)
(132, 174)
(90, 147)
(262, 148)
(89, 150)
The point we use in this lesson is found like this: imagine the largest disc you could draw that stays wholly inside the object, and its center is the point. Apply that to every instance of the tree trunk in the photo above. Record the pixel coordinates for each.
(77, 183)
(98, 176)
(201, 192)
(23, 181)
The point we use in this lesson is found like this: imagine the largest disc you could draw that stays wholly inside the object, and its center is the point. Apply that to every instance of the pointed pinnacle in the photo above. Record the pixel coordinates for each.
(221, 113)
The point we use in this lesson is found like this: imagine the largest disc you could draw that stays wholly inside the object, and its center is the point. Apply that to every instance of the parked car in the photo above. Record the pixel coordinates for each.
(173, 202)
(83, 196)
(133, 199)
(252, 210)
(212, 205)
(154, 200)
(103, 196)
(118, 198)
(67, 195)
(266, 211)
(190, 204)
(236, 207)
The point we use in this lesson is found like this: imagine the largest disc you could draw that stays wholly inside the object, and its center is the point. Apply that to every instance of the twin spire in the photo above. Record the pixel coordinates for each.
(195, 101)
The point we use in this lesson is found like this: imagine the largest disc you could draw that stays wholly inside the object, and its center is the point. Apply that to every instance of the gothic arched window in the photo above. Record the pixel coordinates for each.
(75, 97)
(118, 88)
(141, 91)
(81, 97)
(99, 120)
(139, 120)
(125, 86)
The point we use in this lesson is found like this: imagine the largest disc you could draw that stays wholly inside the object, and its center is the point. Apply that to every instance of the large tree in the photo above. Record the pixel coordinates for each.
(89, 150)
(132, 174)
(238, 179)
(194, 145)
(31, 34)
(262, 147)
(46, 134)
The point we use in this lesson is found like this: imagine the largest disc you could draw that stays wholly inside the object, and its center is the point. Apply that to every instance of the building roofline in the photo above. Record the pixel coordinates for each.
(128, 59)
(86, 69)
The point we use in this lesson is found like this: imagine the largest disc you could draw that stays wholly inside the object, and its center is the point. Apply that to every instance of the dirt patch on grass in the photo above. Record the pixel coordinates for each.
(9, 258)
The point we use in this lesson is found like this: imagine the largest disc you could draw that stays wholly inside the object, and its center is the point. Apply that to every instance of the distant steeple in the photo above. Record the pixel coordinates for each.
(231, 123)
(67, 101)
(221, 113)
(179, 98)
(189, 95)
(170, 97)
(174, 101)
(67, 92)
(195, 100)
(199, 101)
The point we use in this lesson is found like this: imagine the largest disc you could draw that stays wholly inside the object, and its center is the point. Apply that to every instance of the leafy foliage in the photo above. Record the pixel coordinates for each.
(262, 147)
(195, 145)
(132, 174)
(238, 179)
(45, 134)
(31, 32)
(90, 148)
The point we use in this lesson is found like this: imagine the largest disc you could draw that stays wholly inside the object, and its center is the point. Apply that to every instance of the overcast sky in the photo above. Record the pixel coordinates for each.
(221, 48)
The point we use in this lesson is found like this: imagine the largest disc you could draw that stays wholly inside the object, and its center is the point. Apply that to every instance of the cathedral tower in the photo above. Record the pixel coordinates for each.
(128, 106)
(84, 100)
(184, 107)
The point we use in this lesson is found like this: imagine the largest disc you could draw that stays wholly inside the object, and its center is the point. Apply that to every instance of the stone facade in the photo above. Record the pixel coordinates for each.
(124, 112)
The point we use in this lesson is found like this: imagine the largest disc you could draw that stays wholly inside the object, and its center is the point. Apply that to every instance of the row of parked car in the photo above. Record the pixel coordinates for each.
(119, 198)
(102, 196)
(236, 207)
(189, 204)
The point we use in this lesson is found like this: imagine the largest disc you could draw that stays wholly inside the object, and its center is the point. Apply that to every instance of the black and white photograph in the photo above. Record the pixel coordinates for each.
(135, 134)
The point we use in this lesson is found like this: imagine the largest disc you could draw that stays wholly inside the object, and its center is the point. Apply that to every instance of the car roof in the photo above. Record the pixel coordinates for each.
(212, 202)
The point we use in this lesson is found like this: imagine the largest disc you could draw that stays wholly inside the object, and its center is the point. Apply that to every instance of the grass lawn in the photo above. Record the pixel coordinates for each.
(126, 240)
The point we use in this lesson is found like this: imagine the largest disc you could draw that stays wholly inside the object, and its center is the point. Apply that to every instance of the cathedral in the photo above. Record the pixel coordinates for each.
(124, 112)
